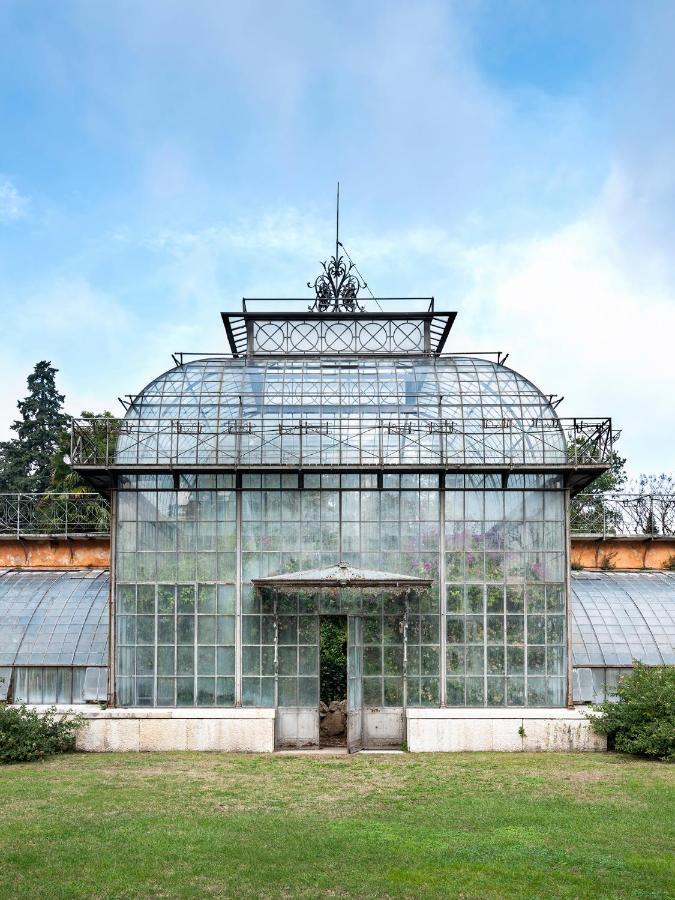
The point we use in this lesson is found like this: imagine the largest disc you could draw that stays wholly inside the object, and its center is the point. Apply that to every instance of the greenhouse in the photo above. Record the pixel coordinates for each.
(54, 642)
(619, 617)
(54, 636)
(341, 464)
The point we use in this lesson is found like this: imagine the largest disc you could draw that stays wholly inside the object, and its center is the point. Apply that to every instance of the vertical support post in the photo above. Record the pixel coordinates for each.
(405, 668)
(442, 588)
(18, 516)
(112, 672)
(568, 602)
(238, 429)
(276, 651)
(237, 593)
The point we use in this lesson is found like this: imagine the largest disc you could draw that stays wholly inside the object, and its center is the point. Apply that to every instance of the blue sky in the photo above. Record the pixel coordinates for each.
(516, 159)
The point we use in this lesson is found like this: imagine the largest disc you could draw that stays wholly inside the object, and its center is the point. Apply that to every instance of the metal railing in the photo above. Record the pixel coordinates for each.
(352, 439)
(23, 515)
(605, 515)
(623, 515)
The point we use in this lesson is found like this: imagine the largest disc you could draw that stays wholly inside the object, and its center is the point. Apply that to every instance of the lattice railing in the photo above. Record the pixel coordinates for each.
(350, 439)
(22, 515)
(611, 515)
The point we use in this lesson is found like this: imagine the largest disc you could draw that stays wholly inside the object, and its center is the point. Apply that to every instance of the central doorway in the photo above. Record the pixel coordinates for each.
(311, 611)
(333, 681)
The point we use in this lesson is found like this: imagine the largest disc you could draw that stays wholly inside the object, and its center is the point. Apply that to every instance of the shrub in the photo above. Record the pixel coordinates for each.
(28, 735)
(641, 719)
(670, 563)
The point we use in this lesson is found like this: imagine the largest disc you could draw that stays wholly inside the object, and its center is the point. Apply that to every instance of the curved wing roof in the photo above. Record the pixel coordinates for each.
(622, 616)
(54, 617)
(61, 618)
(347, 410)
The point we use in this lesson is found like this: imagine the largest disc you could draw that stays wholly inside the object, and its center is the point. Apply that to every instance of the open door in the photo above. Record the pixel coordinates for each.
(296, 675)
(354, 684)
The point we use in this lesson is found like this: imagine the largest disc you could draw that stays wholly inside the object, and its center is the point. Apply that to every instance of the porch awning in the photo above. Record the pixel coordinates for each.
(342, 575)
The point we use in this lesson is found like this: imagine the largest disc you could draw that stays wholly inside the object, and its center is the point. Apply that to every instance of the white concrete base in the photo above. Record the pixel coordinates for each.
(252, 730)
(245, 730)
(458, 729)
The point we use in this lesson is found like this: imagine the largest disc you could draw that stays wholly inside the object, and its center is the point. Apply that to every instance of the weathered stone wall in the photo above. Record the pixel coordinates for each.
(623, 553)
(54, 553)
(224, 730)
(81, 552)
(455, 730)
(252, 730)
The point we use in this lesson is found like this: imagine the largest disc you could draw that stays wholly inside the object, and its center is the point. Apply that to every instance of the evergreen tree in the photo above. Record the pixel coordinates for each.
(26, 461)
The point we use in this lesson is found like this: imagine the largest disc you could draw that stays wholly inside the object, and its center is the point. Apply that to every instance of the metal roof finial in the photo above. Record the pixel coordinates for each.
(336, 287)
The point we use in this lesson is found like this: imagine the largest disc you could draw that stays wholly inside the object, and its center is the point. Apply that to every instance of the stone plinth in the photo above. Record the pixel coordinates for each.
(457, 730)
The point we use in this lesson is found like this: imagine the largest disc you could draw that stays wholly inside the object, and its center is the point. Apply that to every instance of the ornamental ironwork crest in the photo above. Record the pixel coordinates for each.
(337, 287)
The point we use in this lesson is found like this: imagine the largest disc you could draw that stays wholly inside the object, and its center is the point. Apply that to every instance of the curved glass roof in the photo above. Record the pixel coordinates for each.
(332, 410)
(61, 618)
(54, 618)
(622, 616)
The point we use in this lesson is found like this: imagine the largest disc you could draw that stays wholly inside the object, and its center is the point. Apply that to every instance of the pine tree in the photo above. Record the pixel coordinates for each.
(26, 460)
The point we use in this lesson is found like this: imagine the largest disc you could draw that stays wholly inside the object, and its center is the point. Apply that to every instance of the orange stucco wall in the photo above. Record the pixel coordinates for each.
(623, 554)
(93, 553)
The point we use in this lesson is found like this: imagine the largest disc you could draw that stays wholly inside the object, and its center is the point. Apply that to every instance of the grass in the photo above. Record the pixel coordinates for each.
(477, 825)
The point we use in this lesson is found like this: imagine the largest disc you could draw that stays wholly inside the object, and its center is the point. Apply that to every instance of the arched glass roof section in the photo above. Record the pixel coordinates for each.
(54, 618)
(622, 616)
(61, 618)
(341, 411)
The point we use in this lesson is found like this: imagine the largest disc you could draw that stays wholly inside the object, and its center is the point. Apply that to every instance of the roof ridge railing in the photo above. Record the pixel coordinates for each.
(62, 513)
(617, 514)
(355, 439)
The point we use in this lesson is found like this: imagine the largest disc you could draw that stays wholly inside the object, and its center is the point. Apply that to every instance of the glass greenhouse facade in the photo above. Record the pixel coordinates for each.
(337, 464)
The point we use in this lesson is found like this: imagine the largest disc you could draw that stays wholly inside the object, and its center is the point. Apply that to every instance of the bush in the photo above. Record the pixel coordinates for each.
(28, 735)
(641, 719)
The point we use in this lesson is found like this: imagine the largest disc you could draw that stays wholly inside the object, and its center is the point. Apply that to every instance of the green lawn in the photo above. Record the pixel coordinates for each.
(444, 825)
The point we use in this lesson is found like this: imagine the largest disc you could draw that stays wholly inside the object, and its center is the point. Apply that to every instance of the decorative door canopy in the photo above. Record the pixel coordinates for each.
(342, 575)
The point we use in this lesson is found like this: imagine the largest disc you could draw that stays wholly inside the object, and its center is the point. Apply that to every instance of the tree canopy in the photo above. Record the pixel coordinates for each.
(37, 459)
(26, 461)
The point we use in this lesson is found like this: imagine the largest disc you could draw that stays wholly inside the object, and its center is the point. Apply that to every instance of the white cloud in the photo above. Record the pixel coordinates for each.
(584, 312)
(13, 204)
(591, 317)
